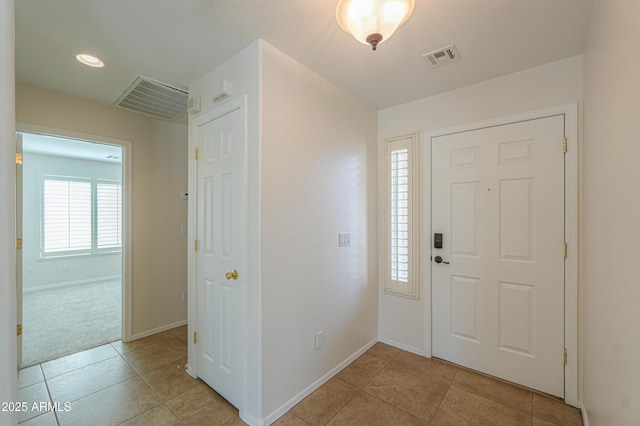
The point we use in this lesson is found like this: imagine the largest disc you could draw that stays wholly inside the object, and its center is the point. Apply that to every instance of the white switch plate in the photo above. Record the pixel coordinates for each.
(184, 230)
(344, 239)
(319, 339)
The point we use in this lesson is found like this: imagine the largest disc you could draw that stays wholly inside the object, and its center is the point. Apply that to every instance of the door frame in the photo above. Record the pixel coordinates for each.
(571, 324)
(19, 236)
(238, 103)
(127, 207)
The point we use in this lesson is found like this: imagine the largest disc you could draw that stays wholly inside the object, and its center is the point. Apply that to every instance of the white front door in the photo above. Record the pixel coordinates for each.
(498, 200)
(221, 253)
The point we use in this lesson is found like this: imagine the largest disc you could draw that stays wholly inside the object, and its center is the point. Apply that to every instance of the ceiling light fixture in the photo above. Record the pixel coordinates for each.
(89, 60)
(373, 21)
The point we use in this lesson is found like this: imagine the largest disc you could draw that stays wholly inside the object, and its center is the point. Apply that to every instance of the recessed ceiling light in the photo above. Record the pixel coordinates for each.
(89, 60)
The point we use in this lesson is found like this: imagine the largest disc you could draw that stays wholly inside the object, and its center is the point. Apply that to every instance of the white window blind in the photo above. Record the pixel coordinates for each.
(400, 217)
(109, 215)
(80, 216)
(399, 214)
(67, 215)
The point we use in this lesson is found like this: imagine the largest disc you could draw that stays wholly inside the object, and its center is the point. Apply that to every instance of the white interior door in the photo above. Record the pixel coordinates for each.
(498, 200)
(19, 197)
(221, 253)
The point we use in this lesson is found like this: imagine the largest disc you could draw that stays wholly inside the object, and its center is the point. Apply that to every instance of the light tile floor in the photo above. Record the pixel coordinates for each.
(144, 383)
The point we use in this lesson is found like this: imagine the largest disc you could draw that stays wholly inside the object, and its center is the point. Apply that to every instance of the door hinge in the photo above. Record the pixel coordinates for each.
(19, 244)
(19, 330)
(196, 245)
(564, 144)
(564, 251)
(19, 158)
(195, 337)
(197, 154)
(564, 356)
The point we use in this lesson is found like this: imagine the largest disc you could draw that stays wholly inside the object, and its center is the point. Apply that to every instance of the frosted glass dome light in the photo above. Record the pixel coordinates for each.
(373, 21)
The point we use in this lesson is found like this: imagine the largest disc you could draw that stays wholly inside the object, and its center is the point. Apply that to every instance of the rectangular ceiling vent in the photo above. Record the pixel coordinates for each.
(443, 56)
(151, 97)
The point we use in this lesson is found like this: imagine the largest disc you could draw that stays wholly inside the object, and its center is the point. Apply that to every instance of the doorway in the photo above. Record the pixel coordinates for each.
(71, 264)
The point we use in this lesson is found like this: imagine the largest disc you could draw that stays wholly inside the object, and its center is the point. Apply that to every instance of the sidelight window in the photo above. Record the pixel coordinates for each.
(400, 217)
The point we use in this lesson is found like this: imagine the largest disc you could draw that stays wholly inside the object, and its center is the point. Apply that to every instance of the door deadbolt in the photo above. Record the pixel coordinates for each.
(233, 274)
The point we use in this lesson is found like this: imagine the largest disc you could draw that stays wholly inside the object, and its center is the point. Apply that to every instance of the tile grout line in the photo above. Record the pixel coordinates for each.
(165, 402)
(98, 391)
(360, 391)
(303, 420)
(444, 396)
(140, 375)
(46, 385)
(386, 402)
(84, 366)
(118, 354)
(489, 398)
(347, 403)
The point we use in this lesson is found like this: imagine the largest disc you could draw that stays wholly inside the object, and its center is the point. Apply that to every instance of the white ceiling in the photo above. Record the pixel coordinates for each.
(70, 148)
(178, 41)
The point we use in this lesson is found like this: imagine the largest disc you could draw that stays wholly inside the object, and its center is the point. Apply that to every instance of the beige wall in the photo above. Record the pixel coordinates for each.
(402, 320)
(612, 214)
(159, 175)
(318, 178)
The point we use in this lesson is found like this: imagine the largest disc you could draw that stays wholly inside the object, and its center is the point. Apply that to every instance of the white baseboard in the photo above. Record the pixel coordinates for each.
(321, 381)
(585, 417)
(190, 372)
(402, 346)
(71, 283)
(158, 330)
(251, 421)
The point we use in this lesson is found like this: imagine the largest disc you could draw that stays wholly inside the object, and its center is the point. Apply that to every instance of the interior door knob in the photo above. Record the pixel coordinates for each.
(438, 259)
(233, 274)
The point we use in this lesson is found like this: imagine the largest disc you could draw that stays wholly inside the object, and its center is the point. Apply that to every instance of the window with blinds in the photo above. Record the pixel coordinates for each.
(109, 215)
(80, 216)
(399, 214)
(400, 276)
(67, 213)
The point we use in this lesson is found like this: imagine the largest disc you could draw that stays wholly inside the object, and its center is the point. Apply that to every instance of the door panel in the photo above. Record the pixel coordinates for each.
(221, 241)
(498, 198)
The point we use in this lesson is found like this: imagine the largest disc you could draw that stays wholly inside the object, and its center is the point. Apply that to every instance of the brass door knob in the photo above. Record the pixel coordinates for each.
(233, 274)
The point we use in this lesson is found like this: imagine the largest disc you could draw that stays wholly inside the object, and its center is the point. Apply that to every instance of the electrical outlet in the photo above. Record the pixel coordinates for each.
(319, 339)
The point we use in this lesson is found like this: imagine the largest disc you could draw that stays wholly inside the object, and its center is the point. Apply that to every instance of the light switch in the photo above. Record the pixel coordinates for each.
(344, 239)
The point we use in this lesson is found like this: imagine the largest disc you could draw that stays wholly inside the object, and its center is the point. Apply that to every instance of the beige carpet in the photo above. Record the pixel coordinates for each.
(65, 320)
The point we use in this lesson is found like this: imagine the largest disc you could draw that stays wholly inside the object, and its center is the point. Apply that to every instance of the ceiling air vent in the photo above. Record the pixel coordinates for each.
(443, 56)
(151, 97)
